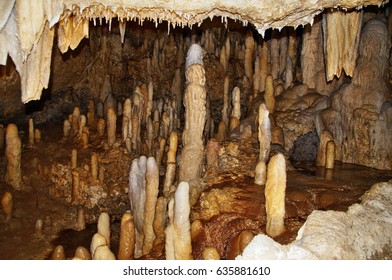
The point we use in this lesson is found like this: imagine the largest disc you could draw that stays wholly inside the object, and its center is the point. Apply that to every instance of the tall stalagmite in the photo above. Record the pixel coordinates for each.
(195, 116)
(13, 154)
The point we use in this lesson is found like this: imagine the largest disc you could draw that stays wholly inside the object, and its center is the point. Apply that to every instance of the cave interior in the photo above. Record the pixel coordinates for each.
(135, 137)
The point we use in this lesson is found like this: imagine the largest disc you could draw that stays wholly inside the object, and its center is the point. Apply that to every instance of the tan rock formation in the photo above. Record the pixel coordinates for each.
(195, 116)
(13, 154)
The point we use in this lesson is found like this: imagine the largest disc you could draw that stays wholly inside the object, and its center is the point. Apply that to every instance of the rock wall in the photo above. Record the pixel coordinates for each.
(361, 112)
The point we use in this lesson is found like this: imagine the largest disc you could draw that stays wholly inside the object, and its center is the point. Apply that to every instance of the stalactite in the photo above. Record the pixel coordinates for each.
(341, 36)
(275, 54)
(225, 109)
(249, 55)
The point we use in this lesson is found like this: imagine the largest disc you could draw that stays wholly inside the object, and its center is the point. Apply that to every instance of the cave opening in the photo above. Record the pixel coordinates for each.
(130, 121)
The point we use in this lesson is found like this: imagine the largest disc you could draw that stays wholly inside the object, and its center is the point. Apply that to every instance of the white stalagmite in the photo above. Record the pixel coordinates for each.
(137, 198)
(178, 232)
(195, 116)
(152, 188)
(13, 154)
(275, 192)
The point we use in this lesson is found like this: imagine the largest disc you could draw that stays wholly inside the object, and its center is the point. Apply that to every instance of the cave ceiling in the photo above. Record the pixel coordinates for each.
(27, 33)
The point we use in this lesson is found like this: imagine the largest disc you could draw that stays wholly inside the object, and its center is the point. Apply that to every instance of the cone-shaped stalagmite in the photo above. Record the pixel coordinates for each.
(152, 185)
(264, 136)
(111, 126)
(275, 192)
(104, 227)
(171, 163)
(210, 253)
(127, 237)
(13, 153)
(195, 116)
(7, 205)
(137, 198)
(178, 233)
(330, 155)
(325, 137)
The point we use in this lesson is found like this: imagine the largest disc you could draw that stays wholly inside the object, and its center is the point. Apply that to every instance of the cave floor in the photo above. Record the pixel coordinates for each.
(228, 204)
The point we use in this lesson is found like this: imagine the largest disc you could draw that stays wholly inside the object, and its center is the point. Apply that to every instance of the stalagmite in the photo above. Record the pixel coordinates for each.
(127, 237)
(264, 136)
(101, 127)
(169, 232)
(135, 129)
(325, 137)
(330, 155)
(210, 253)
(74, 158)
(225, 109)
(85, 138)
(160, 151)
(80, 219)
(58, 253)
(7, 205)
(127, 113)
(342, 32)
(31, 131)
(152, 185)
(234, 123)
(171, 163)
(178, 232)
(159, 223)
(236, 101)
(91, 113)
(75, 186)
(195, 116)
(212, 154)
(111, 126)
(137, 198)
(103, 253)
(82, 124)
(75, 120)
(277, 136)
(37, 136)
(66, 128)
(82, 253)
(261, 173)
(97, 241)
(13, 153)
(238, 244)
(94, 167)
(222, 131)
(2, 138)
(103, 227)
(39, 227)
(275, 192)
